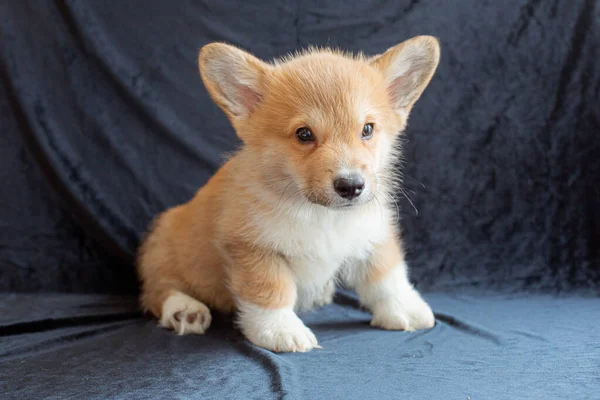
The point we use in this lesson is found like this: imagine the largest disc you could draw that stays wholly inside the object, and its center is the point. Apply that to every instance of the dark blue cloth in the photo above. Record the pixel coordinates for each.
(482, 347)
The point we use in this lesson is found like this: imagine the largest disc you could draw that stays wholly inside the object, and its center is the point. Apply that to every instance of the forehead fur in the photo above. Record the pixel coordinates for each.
(327, 85)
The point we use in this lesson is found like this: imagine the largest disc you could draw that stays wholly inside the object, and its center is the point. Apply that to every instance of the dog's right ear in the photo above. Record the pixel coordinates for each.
(234, 78)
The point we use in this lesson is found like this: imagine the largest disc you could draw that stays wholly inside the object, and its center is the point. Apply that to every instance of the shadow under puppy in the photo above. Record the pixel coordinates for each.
(305, 201)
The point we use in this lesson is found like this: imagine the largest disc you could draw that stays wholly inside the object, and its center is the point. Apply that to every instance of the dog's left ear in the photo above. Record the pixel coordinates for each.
(408, 68)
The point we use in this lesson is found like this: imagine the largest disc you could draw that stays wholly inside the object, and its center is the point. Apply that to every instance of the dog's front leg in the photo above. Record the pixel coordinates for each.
(385, 289)
(265, 293)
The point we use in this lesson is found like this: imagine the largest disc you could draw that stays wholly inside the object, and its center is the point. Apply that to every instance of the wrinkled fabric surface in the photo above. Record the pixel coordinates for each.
(42, 247)
(105, 122)
(482, 347)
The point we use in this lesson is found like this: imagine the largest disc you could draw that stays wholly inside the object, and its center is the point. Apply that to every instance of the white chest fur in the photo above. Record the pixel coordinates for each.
(317, 240)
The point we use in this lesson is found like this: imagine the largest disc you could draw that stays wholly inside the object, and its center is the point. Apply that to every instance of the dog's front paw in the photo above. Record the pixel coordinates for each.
(407, 312)
(328, 293)
(309, 298)
(277, 330)
(282, 339)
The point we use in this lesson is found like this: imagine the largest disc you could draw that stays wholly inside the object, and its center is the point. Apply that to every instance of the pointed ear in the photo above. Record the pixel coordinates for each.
(234, 78)
(408, 68)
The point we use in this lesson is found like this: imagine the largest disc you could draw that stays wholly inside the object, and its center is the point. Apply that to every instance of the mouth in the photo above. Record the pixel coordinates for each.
(336, 205)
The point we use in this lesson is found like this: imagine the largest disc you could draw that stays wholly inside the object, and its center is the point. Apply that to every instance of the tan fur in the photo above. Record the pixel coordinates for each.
(261, 277)
(386, 256)
(179, 254)
(217, 247)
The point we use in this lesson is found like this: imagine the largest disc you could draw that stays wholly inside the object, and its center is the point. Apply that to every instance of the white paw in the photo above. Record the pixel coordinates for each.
(407, 312)
(285, 339)
(326, 297)
(185, 314)
(276, 330)
(314, 296)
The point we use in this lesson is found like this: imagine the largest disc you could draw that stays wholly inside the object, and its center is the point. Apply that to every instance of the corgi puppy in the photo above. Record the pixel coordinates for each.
(306, 202)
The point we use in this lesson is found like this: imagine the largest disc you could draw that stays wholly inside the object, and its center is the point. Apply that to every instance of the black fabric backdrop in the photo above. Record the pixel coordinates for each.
(105, 123)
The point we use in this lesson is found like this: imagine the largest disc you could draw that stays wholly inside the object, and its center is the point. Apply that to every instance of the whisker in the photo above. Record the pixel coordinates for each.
(409, 200)
(283, 193)
(380, 207)
(303, 203)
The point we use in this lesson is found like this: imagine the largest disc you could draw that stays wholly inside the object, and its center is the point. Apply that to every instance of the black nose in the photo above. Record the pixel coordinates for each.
(349, 187)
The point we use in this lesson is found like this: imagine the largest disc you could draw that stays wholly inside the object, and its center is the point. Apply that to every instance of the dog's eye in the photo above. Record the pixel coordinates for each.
(367, 132)
(305, 135)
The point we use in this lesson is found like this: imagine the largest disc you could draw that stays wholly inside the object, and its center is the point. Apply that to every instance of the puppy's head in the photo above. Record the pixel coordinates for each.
(321, 121)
